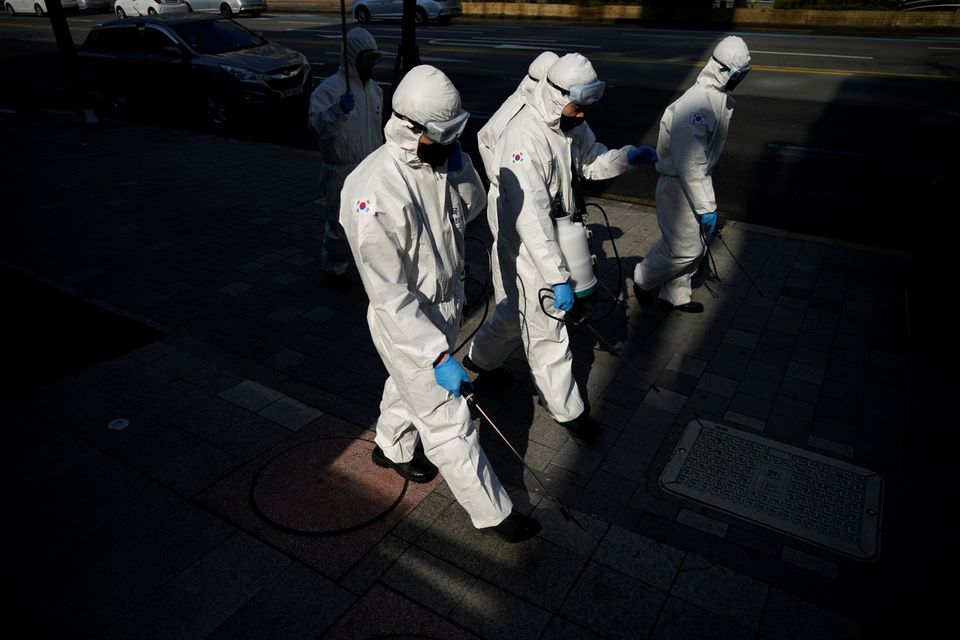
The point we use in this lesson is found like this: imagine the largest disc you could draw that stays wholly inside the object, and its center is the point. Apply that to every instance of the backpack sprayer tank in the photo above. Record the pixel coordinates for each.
(574, 240)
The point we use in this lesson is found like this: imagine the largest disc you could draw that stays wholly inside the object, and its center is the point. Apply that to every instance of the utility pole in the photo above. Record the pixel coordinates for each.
(408, 54)
(68, 59)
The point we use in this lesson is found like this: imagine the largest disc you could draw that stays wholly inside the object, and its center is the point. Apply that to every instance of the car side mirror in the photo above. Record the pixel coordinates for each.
(172, 51)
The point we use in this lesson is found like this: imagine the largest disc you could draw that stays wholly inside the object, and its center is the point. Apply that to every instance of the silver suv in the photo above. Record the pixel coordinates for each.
(440, 10)
(227, 7)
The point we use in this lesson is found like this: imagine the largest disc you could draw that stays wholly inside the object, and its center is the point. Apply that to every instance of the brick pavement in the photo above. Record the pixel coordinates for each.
(142, 532)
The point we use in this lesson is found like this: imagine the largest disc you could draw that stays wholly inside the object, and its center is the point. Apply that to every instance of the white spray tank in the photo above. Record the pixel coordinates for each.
(574, 240)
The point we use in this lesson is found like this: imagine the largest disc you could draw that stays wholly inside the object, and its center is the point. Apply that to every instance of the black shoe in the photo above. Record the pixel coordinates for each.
(419, 469)
(498, 379)
(516, 528)
(643, 297)
(583, 427)
(687, 307)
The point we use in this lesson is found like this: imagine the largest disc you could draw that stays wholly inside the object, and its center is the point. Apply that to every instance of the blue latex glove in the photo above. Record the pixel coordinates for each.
(346, 102)
(455, 161)
(563, 297)
(709, 223)
(644, 154)
(450, 375)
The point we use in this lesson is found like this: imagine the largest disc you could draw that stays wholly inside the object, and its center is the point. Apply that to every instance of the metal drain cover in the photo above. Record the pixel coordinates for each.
(821, 500)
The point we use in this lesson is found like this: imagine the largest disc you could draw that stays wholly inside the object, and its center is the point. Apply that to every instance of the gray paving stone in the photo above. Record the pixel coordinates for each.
(741, 338)
(612, 485)
(492, 612)
(236, 288)
(174, 398)
(148, 446)
(563, 629)
(755, 540)
(580, 536)
(687, 364)
(800, 390)
(612, 604)
(748, 405)
(787, 429)
(805, 372)
(677, 382)
(210, 417)
(796, 409)
(789, 618)
(251, 395)
(639, 557)
(424, 578)
(299, 604)
(137, 568)
(717, 385)
(538, 571)
(363, 575)
(680, 619)
(745, 421)
(721, 591)
(198, 601)
(196, 469)
(290, 413)
(250, 437)
(810, 562)
(703, 523)
(135, 381)
(665, 400)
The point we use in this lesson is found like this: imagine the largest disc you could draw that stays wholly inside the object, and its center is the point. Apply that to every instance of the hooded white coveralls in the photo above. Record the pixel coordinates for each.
(488, 139)
(693, 131)
(536, 164)
(405, 223)
(344, 140)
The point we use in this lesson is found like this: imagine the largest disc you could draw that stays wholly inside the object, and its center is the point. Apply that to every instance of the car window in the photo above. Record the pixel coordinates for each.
(155, 40)
(117, 39)
(217, 36)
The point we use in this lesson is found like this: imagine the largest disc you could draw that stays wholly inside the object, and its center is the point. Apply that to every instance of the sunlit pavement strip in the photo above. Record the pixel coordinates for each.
(803, 494)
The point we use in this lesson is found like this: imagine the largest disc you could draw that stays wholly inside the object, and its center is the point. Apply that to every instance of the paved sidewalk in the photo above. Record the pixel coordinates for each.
(154, 528)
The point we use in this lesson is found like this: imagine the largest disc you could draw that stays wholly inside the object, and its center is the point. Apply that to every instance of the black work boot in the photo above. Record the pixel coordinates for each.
(493, 380)
(516, 528)
(687, 307)
(419, 469)
(583, 427)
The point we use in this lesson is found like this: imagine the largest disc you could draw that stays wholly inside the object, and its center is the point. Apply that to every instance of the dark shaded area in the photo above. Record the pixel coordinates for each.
(52, 334)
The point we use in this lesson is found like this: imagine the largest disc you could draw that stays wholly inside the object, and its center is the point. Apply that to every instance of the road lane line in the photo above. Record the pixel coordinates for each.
(815, 55)
(945, 48)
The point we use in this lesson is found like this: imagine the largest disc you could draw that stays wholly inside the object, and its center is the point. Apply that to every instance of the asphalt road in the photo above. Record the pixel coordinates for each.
(840, 136)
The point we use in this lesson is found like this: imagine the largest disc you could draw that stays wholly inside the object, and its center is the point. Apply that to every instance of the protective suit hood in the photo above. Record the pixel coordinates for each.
(569, 70)
(358, 39)
(425, 94)
(732, 52)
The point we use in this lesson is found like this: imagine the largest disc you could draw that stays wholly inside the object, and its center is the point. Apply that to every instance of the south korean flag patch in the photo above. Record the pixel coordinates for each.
(516, 157)
(363, 205)
(696, 118)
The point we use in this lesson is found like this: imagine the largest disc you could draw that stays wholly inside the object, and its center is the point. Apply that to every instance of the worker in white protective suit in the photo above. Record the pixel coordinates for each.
(488, 140)
(539, 151)
(693, 131)
(346, 116)
(404, 211)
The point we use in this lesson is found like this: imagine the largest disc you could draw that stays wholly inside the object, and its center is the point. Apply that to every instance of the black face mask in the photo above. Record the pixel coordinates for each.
(434, 154)
(569, 122)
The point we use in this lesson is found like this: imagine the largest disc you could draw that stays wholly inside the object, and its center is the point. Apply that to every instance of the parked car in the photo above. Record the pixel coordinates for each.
(124, 8)
(94, 5)
(38, 7)
(204, 66)
(440, 10)
(228, 8)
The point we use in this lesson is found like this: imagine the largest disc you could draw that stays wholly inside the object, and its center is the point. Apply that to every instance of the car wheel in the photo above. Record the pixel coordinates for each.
(444, 19)
(420, 17)
(363, 14)
(37, 9)
(151, 11)
(121, 13)
(10, 10)
(226, 11)
(218, 112)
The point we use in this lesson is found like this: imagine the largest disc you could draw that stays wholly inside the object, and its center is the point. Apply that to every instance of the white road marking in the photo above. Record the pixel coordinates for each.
(816, 55)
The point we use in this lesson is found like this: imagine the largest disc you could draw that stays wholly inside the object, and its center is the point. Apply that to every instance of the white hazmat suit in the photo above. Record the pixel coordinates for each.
(693, 131)
(405, 223)
(344, 140)
(536, 164)
(488, 140)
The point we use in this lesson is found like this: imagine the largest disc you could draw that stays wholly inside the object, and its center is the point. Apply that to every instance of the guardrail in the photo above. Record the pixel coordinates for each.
(727, 18)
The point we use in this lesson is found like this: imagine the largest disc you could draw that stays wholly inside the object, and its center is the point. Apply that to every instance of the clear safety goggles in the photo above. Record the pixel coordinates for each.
(583, 94)
(369, 57)
(737, 74)
(441, 132)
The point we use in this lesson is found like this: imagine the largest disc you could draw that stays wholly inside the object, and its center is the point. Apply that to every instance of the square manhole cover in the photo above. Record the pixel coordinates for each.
(803, 494)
